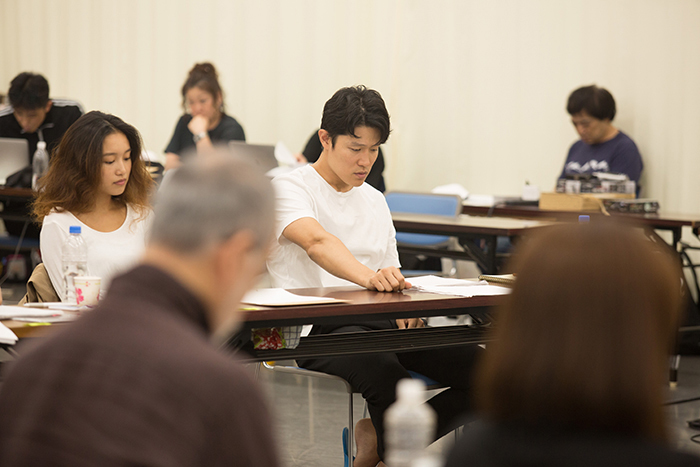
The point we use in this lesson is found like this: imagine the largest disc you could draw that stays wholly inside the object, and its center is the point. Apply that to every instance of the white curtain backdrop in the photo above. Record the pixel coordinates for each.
(476, 88)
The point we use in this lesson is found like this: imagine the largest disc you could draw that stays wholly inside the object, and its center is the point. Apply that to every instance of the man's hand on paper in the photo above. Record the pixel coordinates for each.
(387, 280)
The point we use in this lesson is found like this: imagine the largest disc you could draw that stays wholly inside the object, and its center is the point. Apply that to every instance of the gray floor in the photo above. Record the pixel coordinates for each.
(679, 412)
(311, 413)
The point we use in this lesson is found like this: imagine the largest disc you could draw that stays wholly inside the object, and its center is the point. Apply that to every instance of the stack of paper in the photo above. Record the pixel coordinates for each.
(281, 297)
(7, 336)
(47, 313)
(460, 287)
(13, 312)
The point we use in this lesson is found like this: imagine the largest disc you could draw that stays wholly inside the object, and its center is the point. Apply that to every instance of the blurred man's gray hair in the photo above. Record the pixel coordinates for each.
(208, 200)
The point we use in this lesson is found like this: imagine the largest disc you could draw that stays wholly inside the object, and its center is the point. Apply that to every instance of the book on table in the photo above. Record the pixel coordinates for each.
(501, 279)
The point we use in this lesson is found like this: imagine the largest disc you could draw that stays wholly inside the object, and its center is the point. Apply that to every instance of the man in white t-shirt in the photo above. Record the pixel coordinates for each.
(334, 229)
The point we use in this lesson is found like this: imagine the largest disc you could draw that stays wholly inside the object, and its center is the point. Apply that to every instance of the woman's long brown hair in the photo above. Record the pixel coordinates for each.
(583, 340)
(75, 170)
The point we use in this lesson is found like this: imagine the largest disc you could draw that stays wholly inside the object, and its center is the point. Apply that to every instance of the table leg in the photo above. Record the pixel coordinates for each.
(485, 259)
(673, 372)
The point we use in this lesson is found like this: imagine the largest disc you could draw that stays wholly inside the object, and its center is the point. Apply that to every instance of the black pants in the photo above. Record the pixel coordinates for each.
(376, 375)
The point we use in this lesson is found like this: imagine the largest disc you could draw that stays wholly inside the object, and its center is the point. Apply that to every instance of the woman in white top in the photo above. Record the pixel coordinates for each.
(98, 181)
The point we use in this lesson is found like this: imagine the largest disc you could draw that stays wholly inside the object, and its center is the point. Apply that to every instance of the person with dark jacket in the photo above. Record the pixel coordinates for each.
(205, 121)
(602, 147)
(33, 116)
(140, 380)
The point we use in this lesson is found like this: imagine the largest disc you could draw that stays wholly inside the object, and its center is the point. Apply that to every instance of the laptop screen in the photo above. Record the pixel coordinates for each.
(14, 156)
(262, 155)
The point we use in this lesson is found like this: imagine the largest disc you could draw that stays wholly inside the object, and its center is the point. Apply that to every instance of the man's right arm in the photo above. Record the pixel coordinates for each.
(331, 254)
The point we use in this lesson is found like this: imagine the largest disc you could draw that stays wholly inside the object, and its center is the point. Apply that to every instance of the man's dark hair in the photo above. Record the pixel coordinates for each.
(352, 107)
(597, 102)
(29, 91)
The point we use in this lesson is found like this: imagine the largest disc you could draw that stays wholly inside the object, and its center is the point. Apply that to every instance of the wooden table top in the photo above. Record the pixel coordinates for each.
(26, 193)
(464, 224)
(361, 305)
(660, 219)
(366, 304)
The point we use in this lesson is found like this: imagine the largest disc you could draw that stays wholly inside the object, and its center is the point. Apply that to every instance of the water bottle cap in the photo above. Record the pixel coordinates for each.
(74, 229)
(410, 390)
(584, 218)
(41, 145)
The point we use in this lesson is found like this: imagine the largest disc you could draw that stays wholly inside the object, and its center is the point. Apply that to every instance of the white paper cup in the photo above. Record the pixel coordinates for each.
(87, 290)
(531, 193)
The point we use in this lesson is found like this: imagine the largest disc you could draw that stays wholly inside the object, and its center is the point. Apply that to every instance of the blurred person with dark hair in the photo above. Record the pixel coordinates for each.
(34, 116)
(140, 380)
(602, 147)
(334, 229)
(205, 121)
(97, 180)
(576, 371)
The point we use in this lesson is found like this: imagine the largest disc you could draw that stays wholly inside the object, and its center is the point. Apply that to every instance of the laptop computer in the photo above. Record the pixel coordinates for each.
(262, 155)
(14, 156)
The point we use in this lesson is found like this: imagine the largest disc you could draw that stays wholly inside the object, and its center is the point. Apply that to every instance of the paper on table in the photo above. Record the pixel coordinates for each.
(10, 312)
(433, 281)
(461, 287)
(42, 304)
(451, 189)
(284, 156)
(281, 297)
(58, 306)
(480, 200)
(7, 336)
(67, 307)
(469, 291)
(63, 318)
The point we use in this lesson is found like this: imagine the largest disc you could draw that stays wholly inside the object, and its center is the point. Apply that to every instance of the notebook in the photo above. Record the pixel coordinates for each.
(262, 155)
(503, 279)
(14, 156)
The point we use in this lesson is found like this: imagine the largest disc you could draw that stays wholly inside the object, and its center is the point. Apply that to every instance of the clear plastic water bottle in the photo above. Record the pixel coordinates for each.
(74, 259)
(40, 163)
(409, 424)
(428, 461)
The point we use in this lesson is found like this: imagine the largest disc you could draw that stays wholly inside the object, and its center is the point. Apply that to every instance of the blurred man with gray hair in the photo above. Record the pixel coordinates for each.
(138, 381)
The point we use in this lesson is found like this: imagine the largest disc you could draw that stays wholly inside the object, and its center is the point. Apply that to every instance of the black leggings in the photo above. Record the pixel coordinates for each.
(376, 375)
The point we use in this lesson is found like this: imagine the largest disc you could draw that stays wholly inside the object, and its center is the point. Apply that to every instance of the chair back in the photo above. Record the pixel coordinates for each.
(423, 203)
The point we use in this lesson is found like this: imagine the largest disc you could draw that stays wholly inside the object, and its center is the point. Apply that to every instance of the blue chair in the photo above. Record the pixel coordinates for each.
(424, 203)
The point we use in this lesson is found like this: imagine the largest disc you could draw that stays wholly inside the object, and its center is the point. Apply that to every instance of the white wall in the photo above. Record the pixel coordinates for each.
(476, 89)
